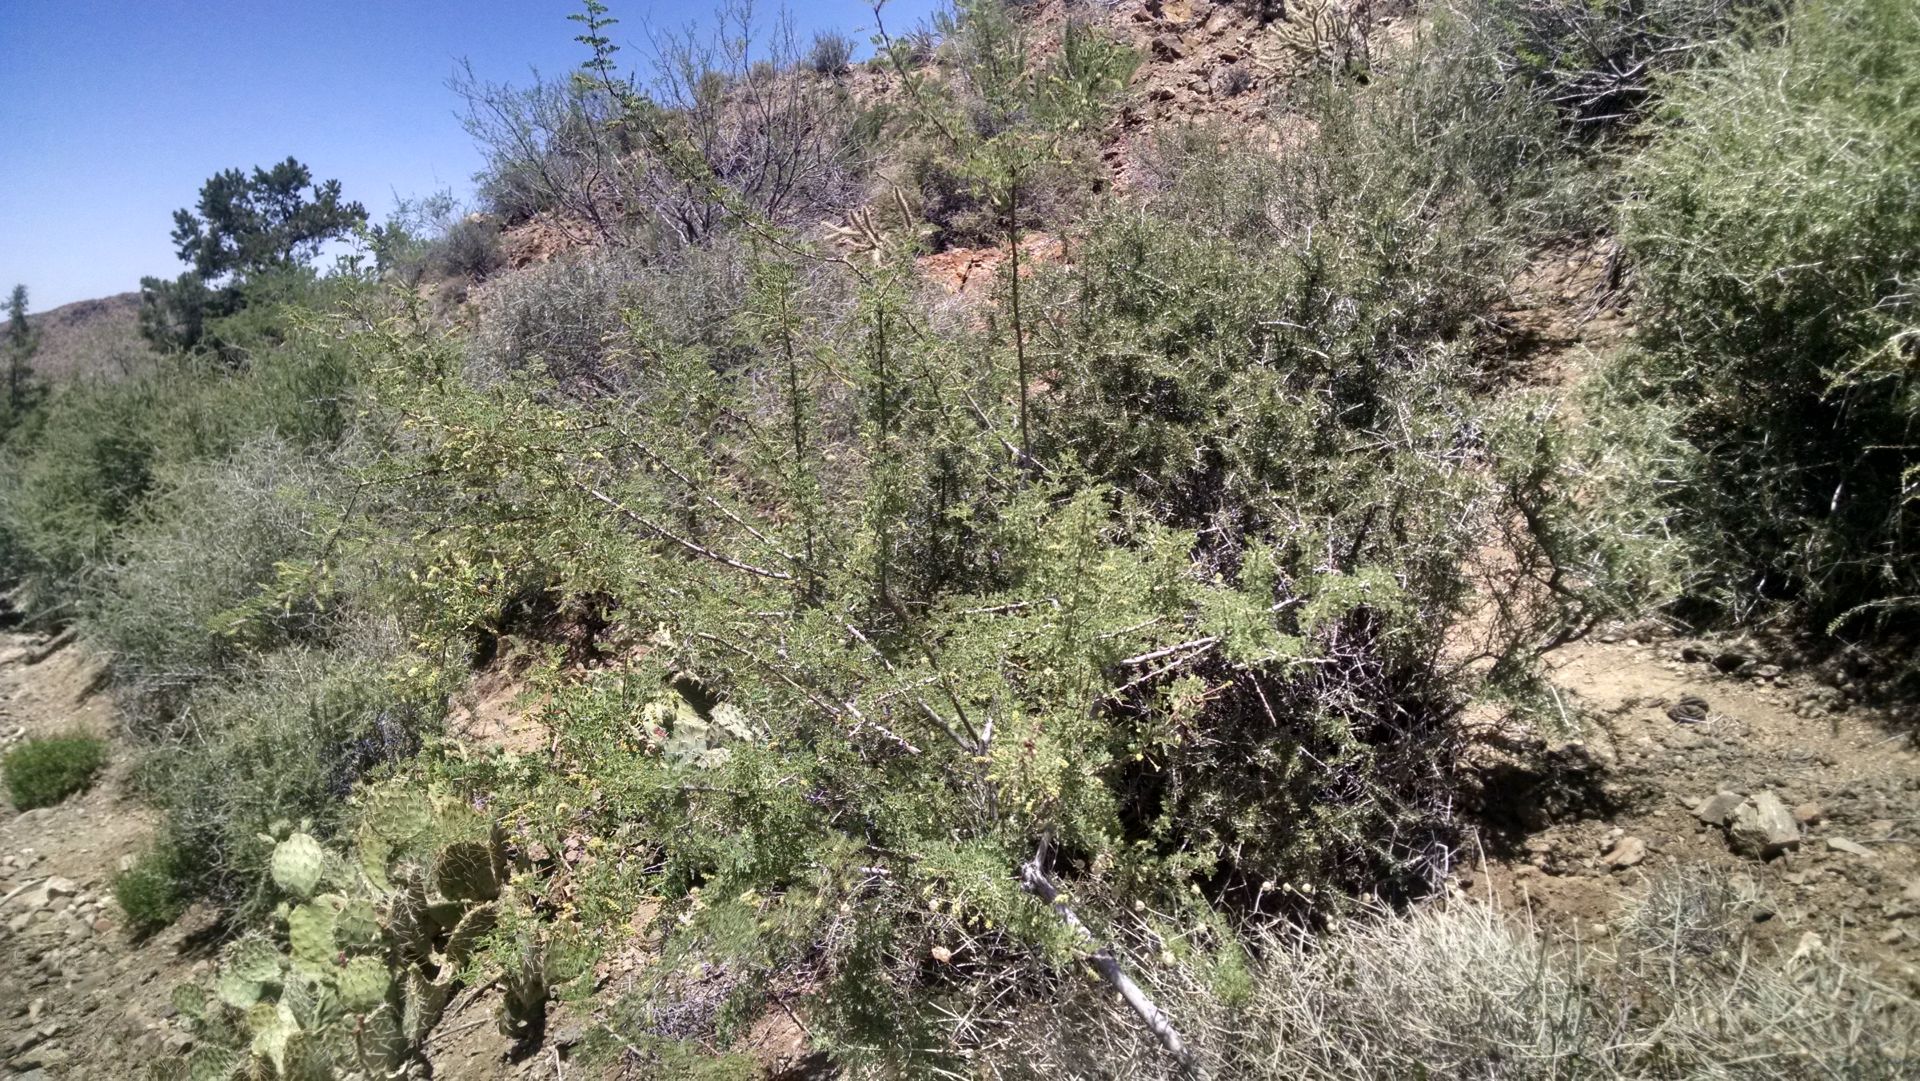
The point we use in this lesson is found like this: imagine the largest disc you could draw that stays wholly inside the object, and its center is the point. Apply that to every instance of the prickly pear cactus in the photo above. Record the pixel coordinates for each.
(366, 953)
(465, 872)
(363, 984)
(298, 864)
(687, 736)
(310, 935)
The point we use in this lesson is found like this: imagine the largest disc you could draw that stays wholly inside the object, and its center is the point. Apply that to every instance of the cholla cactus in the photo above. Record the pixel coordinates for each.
(368, 953)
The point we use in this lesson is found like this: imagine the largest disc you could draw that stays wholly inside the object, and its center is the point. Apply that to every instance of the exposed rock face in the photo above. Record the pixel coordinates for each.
(1763, 827)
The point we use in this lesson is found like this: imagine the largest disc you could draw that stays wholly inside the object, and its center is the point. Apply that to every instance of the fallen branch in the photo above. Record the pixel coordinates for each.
(1034, 881)
(50, 647)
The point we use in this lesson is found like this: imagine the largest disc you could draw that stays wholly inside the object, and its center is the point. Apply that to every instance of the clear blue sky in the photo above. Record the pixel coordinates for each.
(113, 114)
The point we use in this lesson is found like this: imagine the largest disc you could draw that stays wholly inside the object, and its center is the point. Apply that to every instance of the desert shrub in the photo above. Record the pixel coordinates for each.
(1601, 62)
(727, 125)
(1465, 991)
(92, 464)
(283, 741)
(44, 770)
(1147, 588)
(151, 893)
(172, 607)
(106, 448)
(1775, 235)
(831, 54)
(470, 248)
(567, 318)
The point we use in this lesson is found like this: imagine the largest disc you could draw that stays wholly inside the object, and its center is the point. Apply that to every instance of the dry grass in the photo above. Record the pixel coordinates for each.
(1463, 991)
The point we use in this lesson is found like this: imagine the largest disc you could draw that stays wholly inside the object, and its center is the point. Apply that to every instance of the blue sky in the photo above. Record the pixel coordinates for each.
(116, 113)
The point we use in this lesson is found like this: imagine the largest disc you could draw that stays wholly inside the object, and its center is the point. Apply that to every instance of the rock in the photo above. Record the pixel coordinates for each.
(1717, 809)
(1768, 671)
(1880, 829)
(1841, 844)
(1731, 663)
(1810, 945)
(1626, 852)
(61, 887)
(1168, 47)
(1763, 828)
(1809, 813)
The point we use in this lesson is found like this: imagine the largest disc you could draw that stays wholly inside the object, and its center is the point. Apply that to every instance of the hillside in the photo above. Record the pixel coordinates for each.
(1162, 540)
(99, 337)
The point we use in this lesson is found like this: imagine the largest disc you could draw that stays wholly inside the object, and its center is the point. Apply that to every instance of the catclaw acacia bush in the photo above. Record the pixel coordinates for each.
(870, 648)
(1601, 63)
(1774, 235)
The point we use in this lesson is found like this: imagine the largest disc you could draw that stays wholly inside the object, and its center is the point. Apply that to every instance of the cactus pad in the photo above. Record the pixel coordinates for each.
(252, 958)
(298, 863)
(356, 926)
(378, 1040)
(398, 813)
(310, 933)
(731, 720)
(464, 871)
(424, 1002)
(235, 990)
(363, 984)
(467, 934)
(190, 999)
(211, 1063)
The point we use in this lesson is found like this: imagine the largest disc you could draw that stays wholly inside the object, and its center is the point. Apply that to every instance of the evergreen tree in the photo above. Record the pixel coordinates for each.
(22, 341)
(243, 227)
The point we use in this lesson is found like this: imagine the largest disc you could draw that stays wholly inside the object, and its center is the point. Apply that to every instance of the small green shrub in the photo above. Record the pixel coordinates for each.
(152, 893)
(42, 772)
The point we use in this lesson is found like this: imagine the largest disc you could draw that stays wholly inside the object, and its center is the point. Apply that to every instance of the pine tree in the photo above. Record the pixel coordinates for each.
(22, 341)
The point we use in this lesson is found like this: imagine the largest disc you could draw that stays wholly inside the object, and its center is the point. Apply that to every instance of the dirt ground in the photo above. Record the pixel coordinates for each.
(1573, 846)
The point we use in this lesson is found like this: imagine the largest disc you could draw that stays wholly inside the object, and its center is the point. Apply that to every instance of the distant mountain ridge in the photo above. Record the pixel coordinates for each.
(98, 337)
